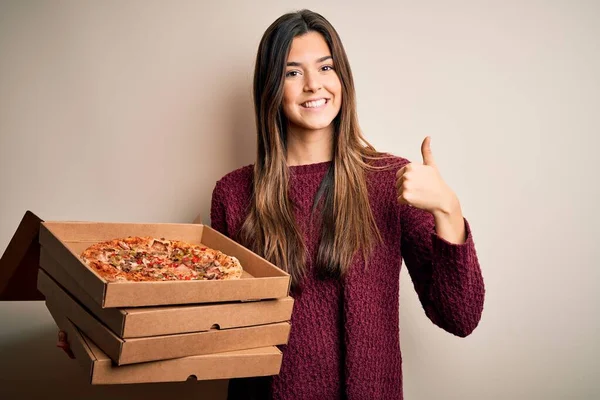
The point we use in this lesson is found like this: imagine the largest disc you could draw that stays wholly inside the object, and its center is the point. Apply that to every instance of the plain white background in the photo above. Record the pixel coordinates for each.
(131, 110)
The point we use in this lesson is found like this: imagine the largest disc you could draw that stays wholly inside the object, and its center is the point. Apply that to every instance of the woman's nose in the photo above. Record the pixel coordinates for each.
(312, 82)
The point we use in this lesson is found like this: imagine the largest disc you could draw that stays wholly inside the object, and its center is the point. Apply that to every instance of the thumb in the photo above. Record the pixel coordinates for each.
(426, 152)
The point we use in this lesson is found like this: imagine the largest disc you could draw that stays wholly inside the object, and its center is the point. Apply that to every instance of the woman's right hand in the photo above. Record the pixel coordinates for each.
(64, 344)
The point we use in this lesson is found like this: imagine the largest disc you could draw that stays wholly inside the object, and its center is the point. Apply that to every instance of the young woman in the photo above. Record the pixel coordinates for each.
(340, 217)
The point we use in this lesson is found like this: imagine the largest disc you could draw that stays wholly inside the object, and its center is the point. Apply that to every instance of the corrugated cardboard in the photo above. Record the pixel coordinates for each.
(165, 320)
(64, 241)
(136, 350)
(237, 364)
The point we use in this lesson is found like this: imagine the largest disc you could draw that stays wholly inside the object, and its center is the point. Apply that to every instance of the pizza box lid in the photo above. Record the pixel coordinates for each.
(19, 262)
(136, 350)
(264, 361)
(64, 241)
(165, 320)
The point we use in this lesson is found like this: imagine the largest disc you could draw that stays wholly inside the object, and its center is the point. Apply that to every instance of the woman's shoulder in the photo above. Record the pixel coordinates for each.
(241, 174)
(387, 162)
(381, 175)
(236, 179)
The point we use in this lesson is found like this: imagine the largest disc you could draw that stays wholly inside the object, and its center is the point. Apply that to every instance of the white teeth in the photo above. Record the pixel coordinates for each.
(314, 104)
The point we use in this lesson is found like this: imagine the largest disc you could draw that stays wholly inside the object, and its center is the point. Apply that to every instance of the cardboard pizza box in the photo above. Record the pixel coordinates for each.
(64, 241)
(165, 320)
(136, 350)
(20, 260)
(263, 361)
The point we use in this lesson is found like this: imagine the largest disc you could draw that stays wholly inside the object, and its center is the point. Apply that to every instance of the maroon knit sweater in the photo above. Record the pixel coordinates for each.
(344, 342)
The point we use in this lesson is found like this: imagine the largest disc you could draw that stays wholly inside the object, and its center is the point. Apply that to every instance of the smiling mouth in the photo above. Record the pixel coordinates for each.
(315, 103)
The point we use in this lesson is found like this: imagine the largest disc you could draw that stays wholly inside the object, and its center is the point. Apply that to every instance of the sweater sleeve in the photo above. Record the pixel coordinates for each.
(218, 219)
(446, 276)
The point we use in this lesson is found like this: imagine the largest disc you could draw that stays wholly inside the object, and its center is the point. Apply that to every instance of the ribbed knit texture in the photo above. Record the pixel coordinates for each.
(344, 341)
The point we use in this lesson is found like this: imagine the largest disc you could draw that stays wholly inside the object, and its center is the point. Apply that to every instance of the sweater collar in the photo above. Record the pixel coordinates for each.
(315, 168)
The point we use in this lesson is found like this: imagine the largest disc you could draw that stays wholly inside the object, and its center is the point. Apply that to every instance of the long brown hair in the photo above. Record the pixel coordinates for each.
(342, 198)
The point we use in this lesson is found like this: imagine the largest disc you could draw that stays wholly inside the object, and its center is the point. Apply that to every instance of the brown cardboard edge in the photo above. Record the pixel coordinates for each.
(214, 234)
(141, 322)
(198, 219)
(102, 371)
(146, 321)
(145, 294)
(155, 348)
(120, 294)
(263, 362)
(198, 343)
(86, 230)
(19, 262)
(92, 283)
(114, 318)
(83, 354)
(98, 332)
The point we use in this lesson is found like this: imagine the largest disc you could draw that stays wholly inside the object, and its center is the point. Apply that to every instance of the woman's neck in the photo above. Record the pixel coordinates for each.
(309, 146)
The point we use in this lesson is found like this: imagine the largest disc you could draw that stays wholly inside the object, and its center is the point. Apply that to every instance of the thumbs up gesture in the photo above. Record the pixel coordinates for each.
(421, 185)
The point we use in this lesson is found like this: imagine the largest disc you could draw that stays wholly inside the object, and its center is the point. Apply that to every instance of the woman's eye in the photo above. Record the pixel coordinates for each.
(292, 74)
(327, 68)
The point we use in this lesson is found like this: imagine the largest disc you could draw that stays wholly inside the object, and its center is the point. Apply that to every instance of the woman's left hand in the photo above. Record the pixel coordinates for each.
(422, 186)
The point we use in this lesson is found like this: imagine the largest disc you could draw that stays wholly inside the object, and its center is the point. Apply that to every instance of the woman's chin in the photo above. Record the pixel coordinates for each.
(314, 125)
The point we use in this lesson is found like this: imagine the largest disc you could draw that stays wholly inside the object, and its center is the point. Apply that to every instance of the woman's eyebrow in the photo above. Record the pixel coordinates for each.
(297, 64)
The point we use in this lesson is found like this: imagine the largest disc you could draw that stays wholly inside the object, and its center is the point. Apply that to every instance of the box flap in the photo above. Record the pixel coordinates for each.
(19, 263)
(198, 219)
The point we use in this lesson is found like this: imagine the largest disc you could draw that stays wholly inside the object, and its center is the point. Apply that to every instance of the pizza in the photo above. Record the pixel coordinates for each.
(138, 259)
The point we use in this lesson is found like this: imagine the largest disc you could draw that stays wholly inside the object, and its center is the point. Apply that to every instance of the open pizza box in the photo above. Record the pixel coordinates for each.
(264, 361)
(64, 241)
(137, 350)
(165, 320)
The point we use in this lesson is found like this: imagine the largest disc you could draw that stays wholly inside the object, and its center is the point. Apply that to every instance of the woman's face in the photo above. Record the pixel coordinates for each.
(312, 91)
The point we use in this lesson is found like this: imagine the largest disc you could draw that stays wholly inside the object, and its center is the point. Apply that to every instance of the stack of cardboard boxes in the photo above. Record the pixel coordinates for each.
(134, 332)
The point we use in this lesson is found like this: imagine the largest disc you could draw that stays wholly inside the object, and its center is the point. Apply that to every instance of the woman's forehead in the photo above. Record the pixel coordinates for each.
(308, 48)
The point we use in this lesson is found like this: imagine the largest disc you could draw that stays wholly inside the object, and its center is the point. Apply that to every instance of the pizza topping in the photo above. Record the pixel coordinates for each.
(143, 259)
(182, 270)
(160, 246)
